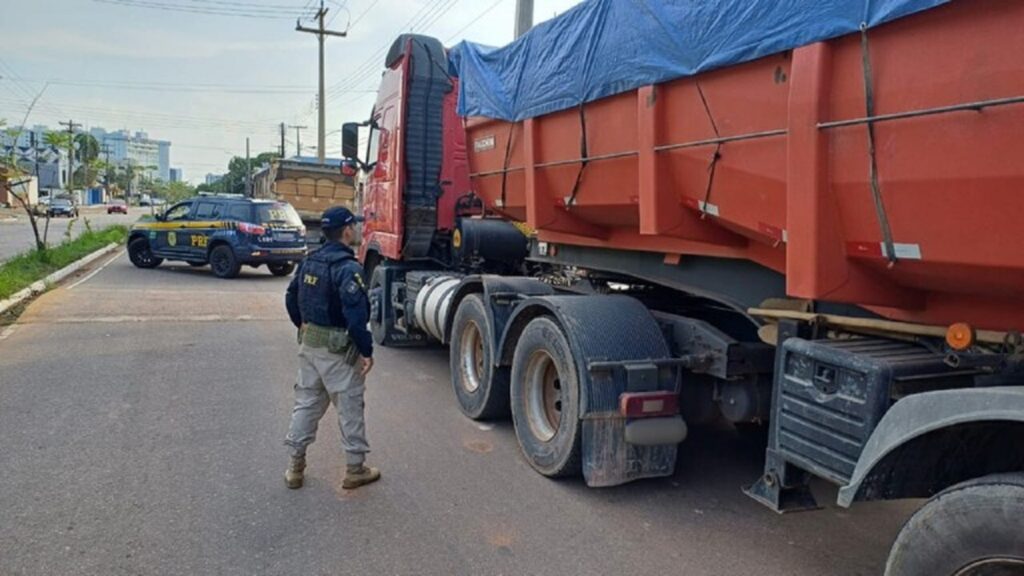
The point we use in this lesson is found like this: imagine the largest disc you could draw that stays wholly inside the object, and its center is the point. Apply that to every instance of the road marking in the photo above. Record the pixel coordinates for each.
(96, 271)
(175, 319)
(7, 332)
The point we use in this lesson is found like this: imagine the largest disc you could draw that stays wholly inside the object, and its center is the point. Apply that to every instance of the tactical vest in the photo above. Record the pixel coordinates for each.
(319, 300)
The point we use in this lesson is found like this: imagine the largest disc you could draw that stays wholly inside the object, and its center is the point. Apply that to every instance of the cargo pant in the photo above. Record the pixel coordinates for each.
(326, 378)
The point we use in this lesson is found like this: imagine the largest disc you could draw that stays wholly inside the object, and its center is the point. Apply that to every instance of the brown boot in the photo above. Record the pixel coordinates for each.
(360, 475)
(293, 475)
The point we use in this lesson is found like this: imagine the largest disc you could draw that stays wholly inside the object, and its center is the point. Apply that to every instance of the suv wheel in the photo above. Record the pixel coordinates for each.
(141, 255)
(281, 268)
(224, 263)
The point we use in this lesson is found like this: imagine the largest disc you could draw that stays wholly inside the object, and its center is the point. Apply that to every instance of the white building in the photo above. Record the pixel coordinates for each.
(138, 149)
(36, 157)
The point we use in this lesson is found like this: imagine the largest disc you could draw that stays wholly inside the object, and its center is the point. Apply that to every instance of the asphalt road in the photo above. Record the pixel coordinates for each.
(141, 420)
(16, 236)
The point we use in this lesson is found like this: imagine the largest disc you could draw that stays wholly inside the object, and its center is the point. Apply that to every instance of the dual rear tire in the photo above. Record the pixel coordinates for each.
(971, 529)
(541, 390)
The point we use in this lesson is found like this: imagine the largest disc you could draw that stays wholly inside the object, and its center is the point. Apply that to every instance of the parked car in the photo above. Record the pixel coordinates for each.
(117, 207)
(62, 207)
(224, 232)
(42, 207)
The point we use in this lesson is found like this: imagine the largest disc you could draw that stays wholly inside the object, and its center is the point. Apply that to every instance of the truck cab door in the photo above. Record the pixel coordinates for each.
(382, 196)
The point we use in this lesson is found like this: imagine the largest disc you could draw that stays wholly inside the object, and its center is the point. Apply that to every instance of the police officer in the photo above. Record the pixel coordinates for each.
(327, 302)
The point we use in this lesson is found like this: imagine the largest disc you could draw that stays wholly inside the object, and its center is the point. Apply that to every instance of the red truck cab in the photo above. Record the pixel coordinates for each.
(417, 165)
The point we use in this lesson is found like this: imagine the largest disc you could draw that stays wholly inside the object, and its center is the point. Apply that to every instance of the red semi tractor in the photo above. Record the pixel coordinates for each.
(751, 243)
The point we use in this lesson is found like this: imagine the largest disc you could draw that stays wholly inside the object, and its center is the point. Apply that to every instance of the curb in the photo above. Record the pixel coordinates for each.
(39, 286)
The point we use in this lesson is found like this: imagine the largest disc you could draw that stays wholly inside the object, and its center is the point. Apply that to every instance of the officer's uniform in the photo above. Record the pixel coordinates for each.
(327, 301)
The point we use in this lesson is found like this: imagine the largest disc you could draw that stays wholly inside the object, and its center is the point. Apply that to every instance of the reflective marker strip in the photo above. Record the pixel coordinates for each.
(702, 206)
(775, 232)
(878, 250)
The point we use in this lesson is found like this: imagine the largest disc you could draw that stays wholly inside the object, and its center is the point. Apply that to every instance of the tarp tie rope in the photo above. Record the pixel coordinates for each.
(504, 165)
(583, 158)
(876, 189)
(714, 157)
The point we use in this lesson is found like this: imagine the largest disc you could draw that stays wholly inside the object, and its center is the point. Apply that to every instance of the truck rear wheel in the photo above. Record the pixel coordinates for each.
(971, 529)
(480, 387)
(545, 402)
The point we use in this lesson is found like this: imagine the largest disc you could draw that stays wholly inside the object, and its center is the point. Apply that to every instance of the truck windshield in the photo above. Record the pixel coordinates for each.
(279, 213)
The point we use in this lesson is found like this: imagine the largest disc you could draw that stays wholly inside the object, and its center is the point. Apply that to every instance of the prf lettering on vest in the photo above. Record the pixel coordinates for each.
(310, 279)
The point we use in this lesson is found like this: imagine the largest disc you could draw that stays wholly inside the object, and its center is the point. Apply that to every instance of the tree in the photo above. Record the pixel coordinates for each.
(86, 168)
(173, 191)
(57, 140)
(234, 181)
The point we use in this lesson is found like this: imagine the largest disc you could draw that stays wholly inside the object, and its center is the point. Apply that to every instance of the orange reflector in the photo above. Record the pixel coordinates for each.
(960, 336)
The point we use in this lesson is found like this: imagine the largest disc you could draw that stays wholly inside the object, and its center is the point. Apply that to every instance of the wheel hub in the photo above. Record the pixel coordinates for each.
(543, 396)
(471, 350)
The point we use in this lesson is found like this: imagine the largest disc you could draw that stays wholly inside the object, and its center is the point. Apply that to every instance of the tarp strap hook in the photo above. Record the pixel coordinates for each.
(876, 189)
(583, 157)
(714, 157)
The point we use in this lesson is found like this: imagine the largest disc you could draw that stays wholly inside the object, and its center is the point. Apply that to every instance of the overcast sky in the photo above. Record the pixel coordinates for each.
(206, 81)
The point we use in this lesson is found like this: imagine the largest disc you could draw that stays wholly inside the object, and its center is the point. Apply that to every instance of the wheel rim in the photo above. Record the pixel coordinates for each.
(471, 350)
(993, 567)
(543, 396)
(219, 262)
(144, 255)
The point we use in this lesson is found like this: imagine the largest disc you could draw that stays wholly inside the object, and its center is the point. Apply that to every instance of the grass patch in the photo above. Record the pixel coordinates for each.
(21, 271)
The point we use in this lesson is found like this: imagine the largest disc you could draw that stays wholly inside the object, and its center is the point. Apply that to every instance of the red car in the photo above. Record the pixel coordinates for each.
(117, 206)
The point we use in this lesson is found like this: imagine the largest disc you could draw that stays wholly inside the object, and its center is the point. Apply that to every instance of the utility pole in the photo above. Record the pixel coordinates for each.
(298, 139)
(71, 152)
(106, 171)
(524, 17)
(248, 171)
(282, 140)
(321, 33)
(35, 152)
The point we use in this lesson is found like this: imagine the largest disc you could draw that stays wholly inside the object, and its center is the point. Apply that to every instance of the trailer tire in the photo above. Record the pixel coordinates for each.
(481, 388)
(545, 398)
(970, 529)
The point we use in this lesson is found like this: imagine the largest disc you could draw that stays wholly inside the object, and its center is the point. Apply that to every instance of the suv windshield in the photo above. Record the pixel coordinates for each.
(279, 213)
(61, 202)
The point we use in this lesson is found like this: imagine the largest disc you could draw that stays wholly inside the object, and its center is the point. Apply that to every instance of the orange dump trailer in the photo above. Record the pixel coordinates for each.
(910, 206)
(819, 242)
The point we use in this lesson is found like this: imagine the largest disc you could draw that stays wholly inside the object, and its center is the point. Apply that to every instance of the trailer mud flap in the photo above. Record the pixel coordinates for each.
(608, 460)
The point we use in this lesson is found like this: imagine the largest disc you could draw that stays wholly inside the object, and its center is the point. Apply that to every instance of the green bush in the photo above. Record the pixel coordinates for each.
(21, 271)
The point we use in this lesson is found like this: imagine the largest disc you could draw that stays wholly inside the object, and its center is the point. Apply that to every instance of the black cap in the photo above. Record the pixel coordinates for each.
(338, 217)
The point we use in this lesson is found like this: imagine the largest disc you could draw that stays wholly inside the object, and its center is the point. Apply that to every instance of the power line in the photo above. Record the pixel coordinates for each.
(224, 89)
(363, 13)
(473, 21)
(421, 20)
(249, 12)
(162, 116)
(372, 62)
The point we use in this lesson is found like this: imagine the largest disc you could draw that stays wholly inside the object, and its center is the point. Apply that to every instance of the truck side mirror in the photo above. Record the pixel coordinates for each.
(350, 140)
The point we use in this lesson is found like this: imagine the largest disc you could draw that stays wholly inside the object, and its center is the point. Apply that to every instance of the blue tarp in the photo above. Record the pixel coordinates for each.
(603, 47)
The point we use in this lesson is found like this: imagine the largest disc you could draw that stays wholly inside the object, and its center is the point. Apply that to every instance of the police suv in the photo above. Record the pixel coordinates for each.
(224, 231)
